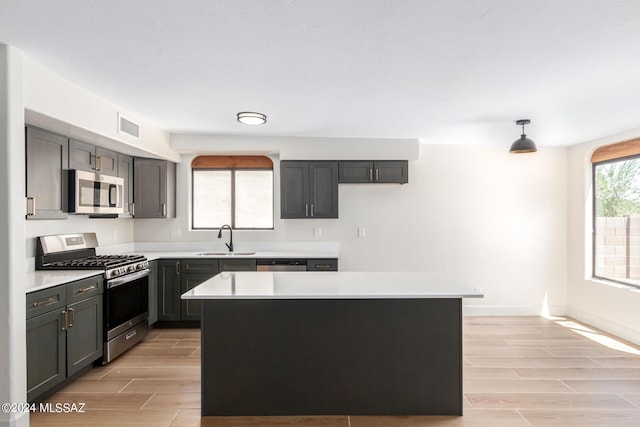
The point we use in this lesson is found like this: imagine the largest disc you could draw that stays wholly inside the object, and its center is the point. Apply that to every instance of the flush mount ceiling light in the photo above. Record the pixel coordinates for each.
(524, 144)
(253, 119)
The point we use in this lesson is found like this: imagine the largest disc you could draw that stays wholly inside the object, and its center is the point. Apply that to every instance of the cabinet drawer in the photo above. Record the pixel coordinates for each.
(329, 264)
(199, 266)
(43, 301)
(82, 289)
(237, 265)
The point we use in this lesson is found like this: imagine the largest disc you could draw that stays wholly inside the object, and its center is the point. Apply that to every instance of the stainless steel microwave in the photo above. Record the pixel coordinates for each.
(92, 193)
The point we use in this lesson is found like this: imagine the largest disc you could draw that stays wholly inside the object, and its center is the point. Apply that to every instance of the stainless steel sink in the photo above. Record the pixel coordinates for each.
(225, 253)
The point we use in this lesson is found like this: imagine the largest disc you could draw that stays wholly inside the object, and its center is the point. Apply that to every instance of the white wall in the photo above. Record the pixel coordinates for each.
(478, 214)
(54, 100)
(12, 297)
(601, 304)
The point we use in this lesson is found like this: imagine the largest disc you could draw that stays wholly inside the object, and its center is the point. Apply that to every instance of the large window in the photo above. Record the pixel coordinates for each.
(616, 213)
(233, 190)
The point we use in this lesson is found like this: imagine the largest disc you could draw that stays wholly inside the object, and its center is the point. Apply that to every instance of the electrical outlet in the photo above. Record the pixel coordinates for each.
(114, 235)
(362, 232)
(176, 232)
(317, 232)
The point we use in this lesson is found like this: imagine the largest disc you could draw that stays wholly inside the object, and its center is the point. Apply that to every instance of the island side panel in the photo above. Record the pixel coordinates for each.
(332, 356)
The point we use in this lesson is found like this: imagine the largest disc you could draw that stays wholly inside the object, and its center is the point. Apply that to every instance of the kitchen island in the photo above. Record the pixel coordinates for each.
(329, 343)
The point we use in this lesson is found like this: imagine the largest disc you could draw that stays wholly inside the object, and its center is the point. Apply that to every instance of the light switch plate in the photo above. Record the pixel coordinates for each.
(362, 232)
(317, 232)
(176, 232)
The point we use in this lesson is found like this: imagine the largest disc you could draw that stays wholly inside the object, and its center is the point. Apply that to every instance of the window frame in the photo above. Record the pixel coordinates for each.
(237, 164)
(607, 155)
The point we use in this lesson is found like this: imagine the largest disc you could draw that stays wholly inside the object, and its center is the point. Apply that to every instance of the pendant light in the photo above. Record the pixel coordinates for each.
(253, 119)
(524, 144)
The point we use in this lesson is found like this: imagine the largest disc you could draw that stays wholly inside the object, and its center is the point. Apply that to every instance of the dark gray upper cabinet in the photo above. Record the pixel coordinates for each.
(125, 171)
(46, 158)
(88, 157)
(382, 171)
(154, 184)
(308, 189)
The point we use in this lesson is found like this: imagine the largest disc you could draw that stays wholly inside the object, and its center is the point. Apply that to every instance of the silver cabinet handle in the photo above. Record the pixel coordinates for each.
(312, 213)
(377, 174)
(164, 209)
(73, 317)
(133, 209)
(130, 334)
(98, 163)
(178, 268)
(31, 206)
(306, 210)
(371, 175)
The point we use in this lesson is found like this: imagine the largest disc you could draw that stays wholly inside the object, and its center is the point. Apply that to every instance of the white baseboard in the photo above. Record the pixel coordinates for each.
(508, 310)
(621, 331)
(16, 420)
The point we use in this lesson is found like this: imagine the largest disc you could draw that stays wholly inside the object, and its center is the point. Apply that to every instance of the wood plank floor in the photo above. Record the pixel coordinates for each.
(518, 371)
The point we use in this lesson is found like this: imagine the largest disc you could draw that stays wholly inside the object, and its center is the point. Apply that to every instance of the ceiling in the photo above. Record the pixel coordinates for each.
(444, 71)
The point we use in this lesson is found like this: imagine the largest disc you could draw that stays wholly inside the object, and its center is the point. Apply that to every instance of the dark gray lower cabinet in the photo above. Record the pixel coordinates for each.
(64, 333)
(175, 277)
(238, 265)
(168, 287)
(153, 292)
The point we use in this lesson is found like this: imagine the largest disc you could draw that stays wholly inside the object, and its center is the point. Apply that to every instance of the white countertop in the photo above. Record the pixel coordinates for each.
(329, 285)
(43, 279)
(151, 255)
(38, 280)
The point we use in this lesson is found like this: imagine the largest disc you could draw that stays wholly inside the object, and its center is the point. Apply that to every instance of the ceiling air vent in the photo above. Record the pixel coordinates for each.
(128, 127)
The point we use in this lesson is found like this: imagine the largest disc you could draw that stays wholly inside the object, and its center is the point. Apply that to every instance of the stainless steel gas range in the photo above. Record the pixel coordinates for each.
(126, 297)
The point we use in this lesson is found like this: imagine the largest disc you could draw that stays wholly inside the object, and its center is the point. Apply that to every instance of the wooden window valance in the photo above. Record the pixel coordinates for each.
(232, 162)
(616, 151)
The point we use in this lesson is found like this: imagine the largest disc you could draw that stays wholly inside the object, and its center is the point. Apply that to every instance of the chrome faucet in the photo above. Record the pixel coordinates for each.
(230, 244)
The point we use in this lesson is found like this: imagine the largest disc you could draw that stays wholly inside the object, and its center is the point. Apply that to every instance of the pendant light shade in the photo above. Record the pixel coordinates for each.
(523, 144)
(250, 118)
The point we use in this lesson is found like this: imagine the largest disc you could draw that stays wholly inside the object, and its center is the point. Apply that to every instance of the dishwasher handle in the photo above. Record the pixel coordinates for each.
(281, 264)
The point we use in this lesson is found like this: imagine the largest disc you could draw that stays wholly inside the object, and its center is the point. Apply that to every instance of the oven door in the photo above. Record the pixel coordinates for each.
(126, 302)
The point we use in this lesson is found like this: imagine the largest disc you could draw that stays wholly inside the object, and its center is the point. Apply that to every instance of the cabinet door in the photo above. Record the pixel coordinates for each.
(191, 309)
(355, 171)
(82, 156)
(154, 188)
(46, 158)
(238, 264)
(323, 189)
(106, 161)
(153, 292)
(294, 189)
(169, 290)
(392, 171)
(45, 352)
(125, 171)
(84, 333)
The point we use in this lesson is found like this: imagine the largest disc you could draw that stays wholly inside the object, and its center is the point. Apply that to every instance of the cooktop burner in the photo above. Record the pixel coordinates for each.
(98, 261)
(78, 252)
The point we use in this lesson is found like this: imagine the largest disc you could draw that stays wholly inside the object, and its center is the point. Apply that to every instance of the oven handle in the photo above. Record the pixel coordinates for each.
(126, 279)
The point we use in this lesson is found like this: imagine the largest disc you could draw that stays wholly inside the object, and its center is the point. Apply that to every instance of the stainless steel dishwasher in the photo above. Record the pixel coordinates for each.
(281, 264)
